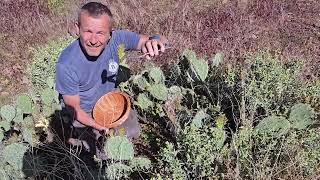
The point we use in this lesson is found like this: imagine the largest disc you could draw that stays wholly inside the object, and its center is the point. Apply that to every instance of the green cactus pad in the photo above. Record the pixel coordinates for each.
(143, 101)
(199, 67)
(1, 135)
(159, 91)
(28, 136)
(301, 116)
(28, 123)
(216, 60)
(273, 125)
(119, 148)
(13, 154)
(19, 116)
(140, 163)
(47, 96)
(220, 137)
(47, 110)
(141, 82)
(175, 91)
(199, 117)
(5, 125)
(156, 75)
(117, 171)
(8, 112)
(24, 103)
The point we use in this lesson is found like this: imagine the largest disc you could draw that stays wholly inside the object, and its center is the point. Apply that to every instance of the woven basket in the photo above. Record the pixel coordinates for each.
(112, 109)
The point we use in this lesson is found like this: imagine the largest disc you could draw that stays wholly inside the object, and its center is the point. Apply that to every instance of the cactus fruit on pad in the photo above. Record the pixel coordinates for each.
(112, 109)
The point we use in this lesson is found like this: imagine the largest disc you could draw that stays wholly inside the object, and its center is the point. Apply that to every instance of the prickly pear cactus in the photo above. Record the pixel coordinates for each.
(216, 60)
(143, 101)
(8, 112)
(301, 116)
(117, 171)
(221, 121)
(273, 125)
(140, 163)
(47, 96)
(141, 82)
(199, 117)
(13, 154)
(28, 131)
(219, 138)
(1, 135)
(47, 110)
(159, 91)
(175, 92)
(5, 125)
(119, 148)
(19, 115)
(24, 103)
(156, 75)
(199, 67)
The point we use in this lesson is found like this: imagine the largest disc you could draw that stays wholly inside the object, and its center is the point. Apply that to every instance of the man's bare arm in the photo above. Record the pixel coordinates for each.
(82, 116)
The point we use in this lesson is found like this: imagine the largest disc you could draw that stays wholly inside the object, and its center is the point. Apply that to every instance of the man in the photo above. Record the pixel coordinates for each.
(88, 67)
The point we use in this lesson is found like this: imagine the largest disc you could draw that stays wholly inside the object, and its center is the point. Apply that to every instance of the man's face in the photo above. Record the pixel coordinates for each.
(94, 33)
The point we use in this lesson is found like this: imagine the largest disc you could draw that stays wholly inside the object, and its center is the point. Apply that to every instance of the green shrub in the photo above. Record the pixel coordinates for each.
(44, 59)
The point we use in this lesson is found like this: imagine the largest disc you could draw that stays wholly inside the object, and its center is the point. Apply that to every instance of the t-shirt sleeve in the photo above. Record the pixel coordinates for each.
(66, 80)
(130, 39)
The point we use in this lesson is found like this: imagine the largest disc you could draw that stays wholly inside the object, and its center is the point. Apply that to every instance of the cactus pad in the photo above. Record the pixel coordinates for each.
(141, 82)
(301, 116)
(199, 117)
(156, 75)
(24, 103)
(117, 171)
(13, 154)
(273, 125)
(143, 101)
(140, 163)
(159, 91)
(199, 67)
(47, 96)
(19, 116)
(119, 148)
(5, 125)
(8, 112)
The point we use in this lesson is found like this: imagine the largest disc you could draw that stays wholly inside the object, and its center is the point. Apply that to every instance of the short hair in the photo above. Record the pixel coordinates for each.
(96, 9)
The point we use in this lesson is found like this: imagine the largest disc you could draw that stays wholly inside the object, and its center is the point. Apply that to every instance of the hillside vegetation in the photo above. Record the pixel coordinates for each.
(237, 97)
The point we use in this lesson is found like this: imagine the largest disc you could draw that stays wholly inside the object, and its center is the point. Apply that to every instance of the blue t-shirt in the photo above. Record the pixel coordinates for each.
(75, 74)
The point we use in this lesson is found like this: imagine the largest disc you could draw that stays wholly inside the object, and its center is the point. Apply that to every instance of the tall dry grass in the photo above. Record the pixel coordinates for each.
(289, 28)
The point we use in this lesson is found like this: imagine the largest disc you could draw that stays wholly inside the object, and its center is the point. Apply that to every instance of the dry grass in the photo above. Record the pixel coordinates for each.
(290, 28)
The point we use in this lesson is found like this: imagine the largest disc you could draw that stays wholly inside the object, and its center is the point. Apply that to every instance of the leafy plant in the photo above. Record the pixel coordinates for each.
(45, 57)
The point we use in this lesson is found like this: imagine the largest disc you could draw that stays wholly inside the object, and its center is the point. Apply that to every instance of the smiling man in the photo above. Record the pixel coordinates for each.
(87, 69)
